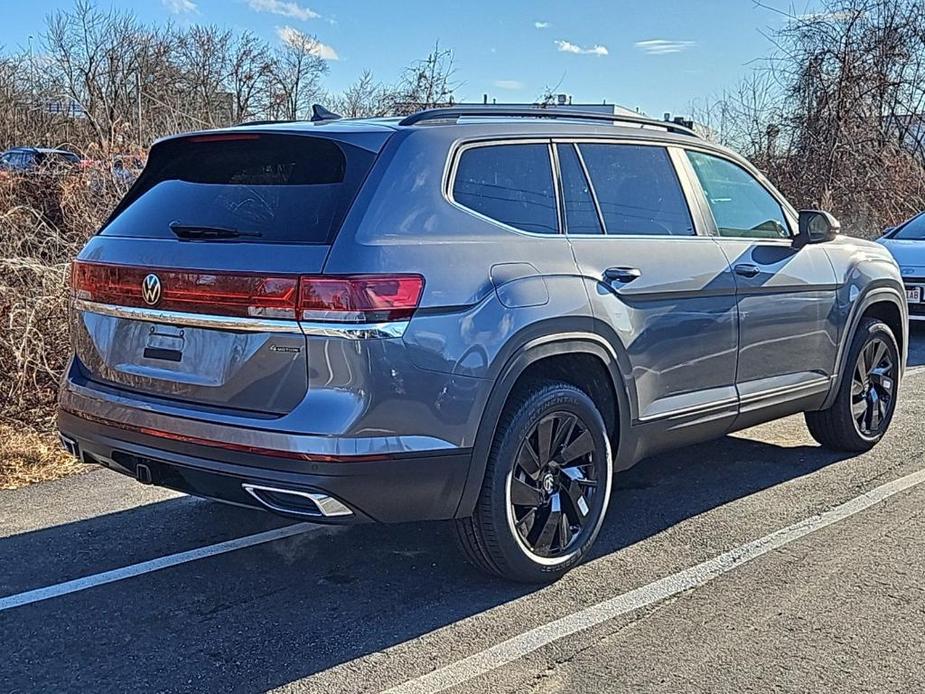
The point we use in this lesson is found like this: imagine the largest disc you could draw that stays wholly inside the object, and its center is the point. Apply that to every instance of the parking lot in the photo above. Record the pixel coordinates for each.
(150, 589)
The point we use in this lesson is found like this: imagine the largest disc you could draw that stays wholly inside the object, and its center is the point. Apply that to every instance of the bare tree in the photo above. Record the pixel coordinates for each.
(296, 76)
(249, 75)
(853, 76)
(204, 54)
(365, 98)
(426, 83)
(92, 58)
(746, 117)
(836, 116)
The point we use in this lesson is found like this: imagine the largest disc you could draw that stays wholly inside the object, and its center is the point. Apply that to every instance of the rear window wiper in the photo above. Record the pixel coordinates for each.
(204, 232)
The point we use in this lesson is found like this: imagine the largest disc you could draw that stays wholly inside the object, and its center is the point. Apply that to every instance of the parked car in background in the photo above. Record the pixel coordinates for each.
(28, 159)
(906, 242)
(126, 168)
(472, 314)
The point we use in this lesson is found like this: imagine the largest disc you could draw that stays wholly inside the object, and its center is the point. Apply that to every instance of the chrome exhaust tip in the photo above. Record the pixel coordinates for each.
(311, 504)
(69, 444)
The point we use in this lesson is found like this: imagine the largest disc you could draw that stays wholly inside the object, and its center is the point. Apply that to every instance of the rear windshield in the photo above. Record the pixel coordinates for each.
(263, 188)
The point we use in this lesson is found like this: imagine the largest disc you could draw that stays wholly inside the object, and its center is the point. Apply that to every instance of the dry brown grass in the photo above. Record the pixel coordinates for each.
(30, 456)
(44, 221)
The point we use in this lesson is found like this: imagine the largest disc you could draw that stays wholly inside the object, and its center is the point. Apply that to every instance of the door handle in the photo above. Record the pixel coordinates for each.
(747, 270)
(622, 274)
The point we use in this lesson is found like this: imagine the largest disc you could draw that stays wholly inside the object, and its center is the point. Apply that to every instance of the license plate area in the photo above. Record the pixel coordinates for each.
(914, 295)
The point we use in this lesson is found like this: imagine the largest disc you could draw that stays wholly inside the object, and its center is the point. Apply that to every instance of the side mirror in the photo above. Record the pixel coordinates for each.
(816, 226)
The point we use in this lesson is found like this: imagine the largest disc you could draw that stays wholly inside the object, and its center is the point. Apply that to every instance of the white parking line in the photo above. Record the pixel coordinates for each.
(519, 646)
(145, 567)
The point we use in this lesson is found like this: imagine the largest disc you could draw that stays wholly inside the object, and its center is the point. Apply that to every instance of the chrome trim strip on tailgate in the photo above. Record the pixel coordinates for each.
(350, 331)
(356, 331)
(195, 320)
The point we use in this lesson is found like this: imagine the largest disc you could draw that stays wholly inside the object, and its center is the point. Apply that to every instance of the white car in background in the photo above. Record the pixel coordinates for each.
(907, 244)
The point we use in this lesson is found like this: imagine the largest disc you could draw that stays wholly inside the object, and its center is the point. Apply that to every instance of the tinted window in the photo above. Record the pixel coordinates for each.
(913, 230)
(13, 160)
(580, 212)
(270, 188)
(57, 158)
(637, 189)
(741, 206)
(509, 183)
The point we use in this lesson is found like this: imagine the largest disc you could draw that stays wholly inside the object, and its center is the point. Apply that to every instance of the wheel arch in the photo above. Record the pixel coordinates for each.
(529, 359)
(882, 302)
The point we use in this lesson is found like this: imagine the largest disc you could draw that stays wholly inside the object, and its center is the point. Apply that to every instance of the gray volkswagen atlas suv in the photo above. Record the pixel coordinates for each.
(475, 315)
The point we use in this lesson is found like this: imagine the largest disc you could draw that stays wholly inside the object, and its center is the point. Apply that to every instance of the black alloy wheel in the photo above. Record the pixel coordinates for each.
(872, 387)
(546, 487)
(552, 485)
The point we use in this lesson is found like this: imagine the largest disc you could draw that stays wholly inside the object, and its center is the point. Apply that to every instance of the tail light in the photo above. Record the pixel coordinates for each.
(188, 291)
(363, 299)
(354, 299)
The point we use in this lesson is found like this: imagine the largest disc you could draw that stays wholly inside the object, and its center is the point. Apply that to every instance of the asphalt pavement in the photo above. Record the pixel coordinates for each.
(154, 591)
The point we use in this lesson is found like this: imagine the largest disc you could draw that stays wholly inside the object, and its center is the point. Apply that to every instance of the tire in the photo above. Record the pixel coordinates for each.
(510, 540)
(843, 426)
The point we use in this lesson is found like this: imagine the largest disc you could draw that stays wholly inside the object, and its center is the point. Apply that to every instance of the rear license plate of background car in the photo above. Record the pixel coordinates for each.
(914, 295)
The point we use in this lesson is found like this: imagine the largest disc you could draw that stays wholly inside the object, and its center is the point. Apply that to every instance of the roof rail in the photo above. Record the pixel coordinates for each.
(454, 113)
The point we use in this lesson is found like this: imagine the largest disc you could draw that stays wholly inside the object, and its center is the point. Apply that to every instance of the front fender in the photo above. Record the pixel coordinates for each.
(882, 291)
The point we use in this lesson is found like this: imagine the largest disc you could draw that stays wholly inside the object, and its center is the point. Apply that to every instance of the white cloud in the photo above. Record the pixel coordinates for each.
(180, 6)
(297, 39)
(283, 8)
(569, 47)
(663, 46)
(835, 17)
(513, 85)
(542, 25)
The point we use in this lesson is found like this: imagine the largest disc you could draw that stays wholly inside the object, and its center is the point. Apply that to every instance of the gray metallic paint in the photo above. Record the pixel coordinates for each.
(693, 350)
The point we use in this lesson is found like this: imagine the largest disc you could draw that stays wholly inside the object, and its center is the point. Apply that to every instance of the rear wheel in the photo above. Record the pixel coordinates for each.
(863, 409)
(546, 487)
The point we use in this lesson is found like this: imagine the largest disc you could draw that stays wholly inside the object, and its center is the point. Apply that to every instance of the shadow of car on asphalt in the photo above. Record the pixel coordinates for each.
(262, 617)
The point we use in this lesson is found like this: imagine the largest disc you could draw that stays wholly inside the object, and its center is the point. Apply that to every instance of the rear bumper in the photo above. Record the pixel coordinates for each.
(414, 486)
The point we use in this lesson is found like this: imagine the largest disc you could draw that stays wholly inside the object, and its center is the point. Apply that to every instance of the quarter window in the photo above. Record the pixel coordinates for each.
(637, 189)
(580, 212)
(741, 206)
(511, 184)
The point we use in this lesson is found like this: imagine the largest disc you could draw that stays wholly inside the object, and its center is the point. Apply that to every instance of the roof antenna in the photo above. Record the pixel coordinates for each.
(321, 114)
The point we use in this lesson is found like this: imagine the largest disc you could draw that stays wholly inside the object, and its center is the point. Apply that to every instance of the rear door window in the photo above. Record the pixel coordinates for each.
(511, 184)
(265, 188)
(637, 189)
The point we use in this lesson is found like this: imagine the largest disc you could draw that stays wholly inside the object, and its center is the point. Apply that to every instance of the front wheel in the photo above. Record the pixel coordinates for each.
(866, 400)
(546, 487)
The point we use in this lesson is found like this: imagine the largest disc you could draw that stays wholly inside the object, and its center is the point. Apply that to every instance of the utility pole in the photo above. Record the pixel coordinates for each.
(32, 77)
(138, 94)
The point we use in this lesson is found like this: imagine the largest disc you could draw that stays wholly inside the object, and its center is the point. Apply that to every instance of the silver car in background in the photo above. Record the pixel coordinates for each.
(906, 242)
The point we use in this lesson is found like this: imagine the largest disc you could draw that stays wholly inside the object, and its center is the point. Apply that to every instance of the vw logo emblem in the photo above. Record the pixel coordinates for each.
(151, 289)
(549, 484)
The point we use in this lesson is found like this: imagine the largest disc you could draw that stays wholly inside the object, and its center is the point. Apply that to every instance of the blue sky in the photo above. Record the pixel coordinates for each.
(656, 55)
